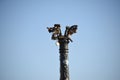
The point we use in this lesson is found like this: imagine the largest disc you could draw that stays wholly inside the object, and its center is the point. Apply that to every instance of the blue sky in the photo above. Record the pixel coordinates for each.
(28, 53)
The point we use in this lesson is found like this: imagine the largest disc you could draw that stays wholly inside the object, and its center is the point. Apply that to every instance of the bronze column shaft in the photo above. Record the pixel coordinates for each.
(64, 67)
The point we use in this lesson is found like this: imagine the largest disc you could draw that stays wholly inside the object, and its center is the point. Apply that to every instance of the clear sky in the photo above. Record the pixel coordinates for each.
(28, 53)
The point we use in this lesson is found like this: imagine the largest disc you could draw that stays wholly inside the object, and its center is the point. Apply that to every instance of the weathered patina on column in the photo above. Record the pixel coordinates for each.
(64, 67)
